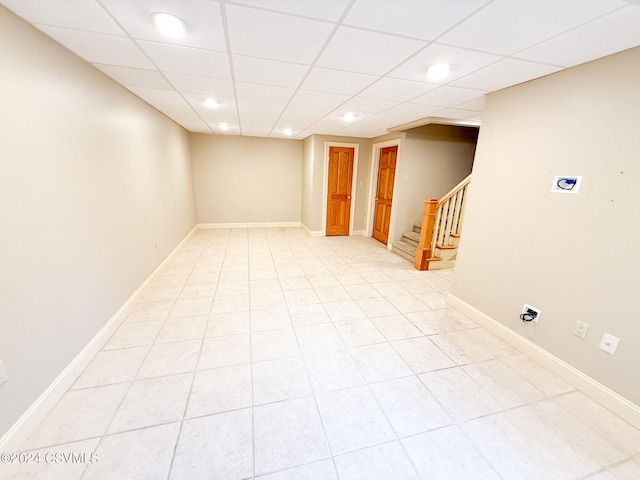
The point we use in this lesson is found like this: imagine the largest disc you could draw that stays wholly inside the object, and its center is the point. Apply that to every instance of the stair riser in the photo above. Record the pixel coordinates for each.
(447, 254)
(441, 265)
(404, 247)
(410, 241)
(403, 254)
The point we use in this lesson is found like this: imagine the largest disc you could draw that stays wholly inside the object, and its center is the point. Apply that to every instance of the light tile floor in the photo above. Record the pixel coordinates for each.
(266, 353)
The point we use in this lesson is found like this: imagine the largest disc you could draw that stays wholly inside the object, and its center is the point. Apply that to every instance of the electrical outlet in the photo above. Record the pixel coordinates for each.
(609, 343)
(580, 330)
(528, 310)
(3, 373)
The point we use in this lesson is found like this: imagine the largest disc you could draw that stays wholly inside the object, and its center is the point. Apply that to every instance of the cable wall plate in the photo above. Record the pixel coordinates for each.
(566, 184)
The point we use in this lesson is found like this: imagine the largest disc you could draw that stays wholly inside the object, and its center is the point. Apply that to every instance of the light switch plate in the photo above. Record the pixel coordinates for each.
(609, 343)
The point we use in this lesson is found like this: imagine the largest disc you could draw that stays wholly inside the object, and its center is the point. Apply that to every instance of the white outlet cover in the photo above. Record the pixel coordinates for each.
(580, 330)
(609, 343)
(527, 307)
(556, 185)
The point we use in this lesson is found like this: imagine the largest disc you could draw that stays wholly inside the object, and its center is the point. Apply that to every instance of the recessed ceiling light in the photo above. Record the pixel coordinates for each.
(438, 71)
(288, 131)
(223, 126)
(168, 24)
(211, 103)
(349, 117)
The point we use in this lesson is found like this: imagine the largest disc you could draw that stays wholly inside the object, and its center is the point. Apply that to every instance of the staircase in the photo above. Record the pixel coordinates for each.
(406, 247)
(433, 243)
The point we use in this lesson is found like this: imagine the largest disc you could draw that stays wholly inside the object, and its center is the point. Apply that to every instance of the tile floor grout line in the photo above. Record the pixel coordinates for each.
(315, 400)
(337, 252)
(188, 399)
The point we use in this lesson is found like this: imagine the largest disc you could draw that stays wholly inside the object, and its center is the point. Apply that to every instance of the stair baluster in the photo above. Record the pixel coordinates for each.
(441, 221)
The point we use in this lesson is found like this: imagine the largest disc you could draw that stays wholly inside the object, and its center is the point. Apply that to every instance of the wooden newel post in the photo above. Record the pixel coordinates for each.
(423, 252)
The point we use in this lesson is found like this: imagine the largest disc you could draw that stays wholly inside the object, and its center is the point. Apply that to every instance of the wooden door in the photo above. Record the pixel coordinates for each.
(384, 193)
(339, 190)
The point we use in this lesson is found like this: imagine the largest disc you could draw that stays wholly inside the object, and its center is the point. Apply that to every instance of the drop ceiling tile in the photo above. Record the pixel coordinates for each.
(187, 60)
(299, 117)
(341, 112)
(506, 27)
(397, 89)
(135, 77)
(352, 131)
(318, 99)
(362, 51)
(368, 124)
(504, 74)
(275, 36)
(204, 21)
(408, 112)
(371, 105)
(326, 9)
(259, 113)
(191, 124)
(225, 112)
(99, 48)
(462, 61)
(268, 72)
(447, 96)
(335, 81)
(171, 104)
(81, 15)
(609, 34)
(160, 99)
(199, 128)
(278, 132)
(425, 19)
(230, 130)
(252, 91)
(329, 124)
(476, 105)
(214, 87)
(455, 113)
(250, 130)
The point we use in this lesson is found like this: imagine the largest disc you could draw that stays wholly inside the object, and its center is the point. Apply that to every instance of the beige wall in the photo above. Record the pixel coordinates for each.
(90, 177)
(576, 257)
(431, 160)
(246, 179)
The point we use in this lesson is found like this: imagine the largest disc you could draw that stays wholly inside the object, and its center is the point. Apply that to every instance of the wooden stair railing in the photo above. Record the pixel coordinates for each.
(441, 220)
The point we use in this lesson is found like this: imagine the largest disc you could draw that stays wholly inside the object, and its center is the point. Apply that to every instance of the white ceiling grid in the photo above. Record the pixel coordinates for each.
(303, 64)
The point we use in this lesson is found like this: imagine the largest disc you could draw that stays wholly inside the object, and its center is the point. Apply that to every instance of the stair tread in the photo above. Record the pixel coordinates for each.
(442, 246)
(403, 251)
(412, 236)
(404, 246)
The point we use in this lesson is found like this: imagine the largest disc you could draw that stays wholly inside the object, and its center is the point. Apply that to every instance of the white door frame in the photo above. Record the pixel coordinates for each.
(325, 182)
(373, 184)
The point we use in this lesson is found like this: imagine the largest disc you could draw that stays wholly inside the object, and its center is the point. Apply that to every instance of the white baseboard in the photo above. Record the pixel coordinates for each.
(606, 397)
(13, 439)
(310, 232)
(203, 226)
